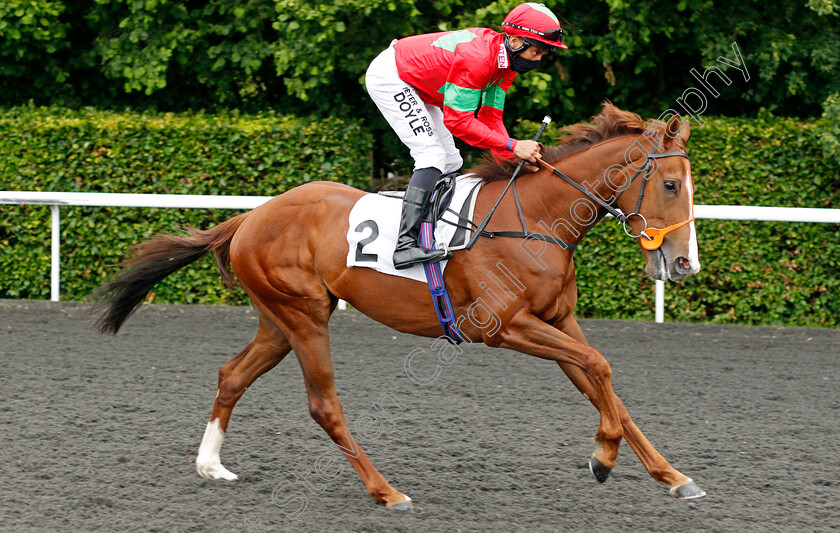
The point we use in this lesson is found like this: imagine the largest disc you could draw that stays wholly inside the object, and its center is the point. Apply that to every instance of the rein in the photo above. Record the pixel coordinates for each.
(655, 236)
(479, 231)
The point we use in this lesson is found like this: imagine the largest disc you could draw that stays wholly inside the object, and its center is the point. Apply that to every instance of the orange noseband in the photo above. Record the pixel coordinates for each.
(656, 235)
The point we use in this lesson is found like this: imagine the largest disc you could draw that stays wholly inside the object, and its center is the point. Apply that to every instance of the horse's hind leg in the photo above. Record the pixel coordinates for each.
(268, 348)
(304, 321)
(313, 352)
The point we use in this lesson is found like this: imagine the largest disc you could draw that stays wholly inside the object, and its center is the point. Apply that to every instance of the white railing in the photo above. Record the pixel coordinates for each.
(191, 201)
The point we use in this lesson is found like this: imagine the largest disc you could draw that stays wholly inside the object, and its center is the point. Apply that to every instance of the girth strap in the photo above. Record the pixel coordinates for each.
(512, 234)
(539, 236)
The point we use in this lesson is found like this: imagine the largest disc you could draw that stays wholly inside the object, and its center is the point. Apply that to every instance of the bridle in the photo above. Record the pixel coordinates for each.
(654, 237)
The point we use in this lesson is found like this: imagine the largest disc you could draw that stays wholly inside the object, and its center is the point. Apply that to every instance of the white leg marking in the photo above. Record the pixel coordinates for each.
(208, 464)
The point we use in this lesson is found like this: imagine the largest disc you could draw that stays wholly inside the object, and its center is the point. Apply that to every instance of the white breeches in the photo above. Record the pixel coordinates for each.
(418, 124)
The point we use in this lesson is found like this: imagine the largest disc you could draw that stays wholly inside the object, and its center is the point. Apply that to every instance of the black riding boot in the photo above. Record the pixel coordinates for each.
(408, 251)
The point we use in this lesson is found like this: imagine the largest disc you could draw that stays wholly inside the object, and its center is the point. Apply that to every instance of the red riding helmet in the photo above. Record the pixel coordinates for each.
(534, 22)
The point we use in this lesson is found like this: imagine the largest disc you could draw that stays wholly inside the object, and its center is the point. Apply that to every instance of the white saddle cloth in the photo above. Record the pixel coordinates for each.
(375, 220)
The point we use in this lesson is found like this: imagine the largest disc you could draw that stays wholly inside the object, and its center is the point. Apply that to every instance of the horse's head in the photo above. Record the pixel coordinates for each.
(661, 200)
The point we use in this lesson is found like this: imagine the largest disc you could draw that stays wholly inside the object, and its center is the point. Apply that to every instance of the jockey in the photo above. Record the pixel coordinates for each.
(433, 86)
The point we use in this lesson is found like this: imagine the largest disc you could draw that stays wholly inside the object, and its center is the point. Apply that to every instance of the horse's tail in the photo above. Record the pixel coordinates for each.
(155, 259)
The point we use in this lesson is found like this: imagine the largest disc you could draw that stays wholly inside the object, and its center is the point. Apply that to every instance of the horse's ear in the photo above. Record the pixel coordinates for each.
(677, 132)
(685, 131)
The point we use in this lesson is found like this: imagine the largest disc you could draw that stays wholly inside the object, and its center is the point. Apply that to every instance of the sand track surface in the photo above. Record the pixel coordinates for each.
(100, 433)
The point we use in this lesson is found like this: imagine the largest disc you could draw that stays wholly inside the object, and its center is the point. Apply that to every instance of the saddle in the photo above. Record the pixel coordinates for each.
(441, 199)
(444, 190)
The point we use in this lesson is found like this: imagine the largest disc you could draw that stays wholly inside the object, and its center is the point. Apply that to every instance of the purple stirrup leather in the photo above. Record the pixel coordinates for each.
(440, 298)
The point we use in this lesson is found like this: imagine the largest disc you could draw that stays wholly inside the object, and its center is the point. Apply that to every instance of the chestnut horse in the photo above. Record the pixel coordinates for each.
(289, 255)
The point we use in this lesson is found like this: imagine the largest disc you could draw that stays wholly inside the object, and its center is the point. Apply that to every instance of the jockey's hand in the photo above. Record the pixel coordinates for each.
(527, 150)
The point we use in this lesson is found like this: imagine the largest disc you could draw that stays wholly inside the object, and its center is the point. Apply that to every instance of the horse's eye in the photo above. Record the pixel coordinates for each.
(670, 186)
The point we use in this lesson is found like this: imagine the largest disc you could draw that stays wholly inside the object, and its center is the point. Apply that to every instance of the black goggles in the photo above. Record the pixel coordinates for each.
(555, 35)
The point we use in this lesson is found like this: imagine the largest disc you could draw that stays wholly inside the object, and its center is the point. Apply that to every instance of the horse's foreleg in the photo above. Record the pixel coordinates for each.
(604, 458)
(311, 346)
(528, 334)
(656, 465)
(261, 355)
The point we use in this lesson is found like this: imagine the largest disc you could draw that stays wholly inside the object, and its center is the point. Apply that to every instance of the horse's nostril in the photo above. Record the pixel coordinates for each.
(684, 263)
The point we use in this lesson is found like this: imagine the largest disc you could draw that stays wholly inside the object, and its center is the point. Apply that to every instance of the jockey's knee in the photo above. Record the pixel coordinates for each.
(432, 155)
(425, 178)
(453, 162)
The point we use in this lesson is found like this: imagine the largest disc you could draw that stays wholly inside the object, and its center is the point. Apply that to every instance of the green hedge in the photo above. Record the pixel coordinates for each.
(753, 272)
(50, 149)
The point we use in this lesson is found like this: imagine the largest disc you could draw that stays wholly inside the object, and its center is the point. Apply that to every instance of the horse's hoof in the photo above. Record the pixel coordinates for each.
(599, 469)
(402, 506)
(214, 470)
(688, 491)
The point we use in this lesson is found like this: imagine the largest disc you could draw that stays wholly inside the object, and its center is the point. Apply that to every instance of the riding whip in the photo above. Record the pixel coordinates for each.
(477, 233)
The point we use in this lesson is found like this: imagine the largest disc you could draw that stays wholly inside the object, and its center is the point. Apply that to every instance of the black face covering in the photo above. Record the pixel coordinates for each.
(521, 65)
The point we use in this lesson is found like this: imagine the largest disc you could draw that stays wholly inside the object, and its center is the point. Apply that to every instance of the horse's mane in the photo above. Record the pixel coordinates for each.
(609, 123)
